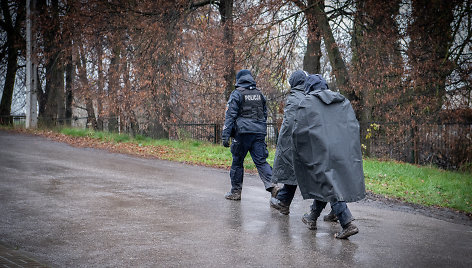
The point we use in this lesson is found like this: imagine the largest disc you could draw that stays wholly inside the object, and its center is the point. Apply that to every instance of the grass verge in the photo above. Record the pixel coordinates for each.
(428, 186)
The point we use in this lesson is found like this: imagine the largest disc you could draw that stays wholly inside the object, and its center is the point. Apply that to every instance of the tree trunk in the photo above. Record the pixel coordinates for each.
(54, 111)
(69, 63)
(226, 13)
(164, 64)
(99, 87)
(114, 86)
(82, 65)
(431, 39)
(311, 60)
(12, 45)
(91, 121)
(69, 80)
(42, 97)
(334, 55)
(375, 60)
(55, 103)
(5, 105)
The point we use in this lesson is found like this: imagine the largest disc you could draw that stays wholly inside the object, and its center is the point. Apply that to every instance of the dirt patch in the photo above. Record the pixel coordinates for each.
(88, 142)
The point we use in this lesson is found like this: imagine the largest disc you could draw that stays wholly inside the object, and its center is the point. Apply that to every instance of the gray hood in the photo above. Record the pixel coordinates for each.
(297, 79)
(327, 96)
(315, 82)
(316, 85)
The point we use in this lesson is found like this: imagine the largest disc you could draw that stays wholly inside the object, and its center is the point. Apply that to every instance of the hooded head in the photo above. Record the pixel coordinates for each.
(244, 79)
(317, 86)
(315, 82)
(297, 78)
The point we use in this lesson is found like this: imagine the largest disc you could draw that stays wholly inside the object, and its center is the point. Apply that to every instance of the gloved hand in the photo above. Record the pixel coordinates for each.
(226, 142)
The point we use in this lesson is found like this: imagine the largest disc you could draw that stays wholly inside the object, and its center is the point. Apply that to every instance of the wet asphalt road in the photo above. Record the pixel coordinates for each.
(74, 207)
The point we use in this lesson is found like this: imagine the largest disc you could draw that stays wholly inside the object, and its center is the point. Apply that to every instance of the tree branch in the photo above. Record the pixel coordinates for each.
(194, 5)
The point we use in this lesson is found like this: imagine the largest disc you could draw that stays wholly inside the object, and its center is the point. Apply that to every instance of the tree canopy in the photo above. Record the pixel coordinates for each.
(142, 65)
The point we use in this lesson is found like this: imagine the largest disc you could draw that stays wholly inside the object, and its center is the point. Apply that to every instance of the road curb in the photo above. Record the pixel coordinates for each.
(12, 258)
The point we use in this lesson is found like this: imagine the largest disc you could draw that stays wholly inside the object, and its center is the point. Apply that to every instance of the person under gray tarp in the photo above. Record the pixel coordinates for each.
(327, 154)
(283, 167)
(246, 124)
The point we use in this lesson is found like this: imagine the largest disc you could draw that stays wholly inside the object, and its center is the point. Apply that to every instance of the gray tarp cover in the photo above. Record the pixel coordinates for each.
(283, 166)
(327, 152)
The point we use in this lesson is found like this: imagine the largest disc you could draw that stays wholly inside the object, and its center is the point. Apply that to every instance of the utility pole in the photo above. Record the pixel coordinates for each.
(31, 76)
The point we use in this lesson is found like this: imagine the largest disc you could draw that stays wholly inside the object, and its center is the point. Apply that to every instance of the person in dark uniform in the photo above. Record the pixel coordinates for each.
(246, 124)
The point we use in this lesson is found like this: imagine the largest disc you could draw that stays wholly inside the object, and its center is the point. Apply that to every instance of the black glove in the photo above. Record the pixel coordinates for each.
(226, 142)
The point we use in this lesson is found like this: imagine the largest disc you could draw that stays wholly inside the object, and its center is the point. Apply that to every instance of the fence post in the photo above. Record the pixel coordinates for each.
(214, 133)
(414, 144)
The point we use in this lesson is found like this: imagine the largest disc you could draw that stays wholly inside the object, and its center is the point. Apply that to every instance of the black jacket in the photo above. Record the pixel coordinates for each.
(233, 118)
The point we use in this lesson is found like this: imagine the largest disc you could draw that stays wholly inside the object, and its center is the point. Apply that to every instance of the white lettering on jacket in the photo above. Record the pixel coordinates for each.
(256, 97)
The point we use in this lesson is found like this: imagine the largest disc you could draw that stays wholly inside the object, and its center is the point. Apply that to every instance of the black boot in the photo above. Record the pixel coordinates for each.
(280, 206)
(310, 220)
(330, 217)
(347, 231)
(233, 196)
(274, 191)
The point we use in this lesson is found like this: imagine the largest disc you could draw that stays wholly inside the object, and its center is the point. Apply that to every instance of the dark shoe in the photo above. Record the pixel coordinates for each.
(275, 190)
(281, 207)
(330, 217)
(309, 220)
(347, 231)
(233, 196)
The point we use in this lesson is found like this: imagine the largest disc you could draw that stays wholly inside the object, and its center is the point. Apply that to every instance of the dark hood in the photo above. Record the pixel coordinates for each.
(315, 82)
(317, 86)
(297, 79)
(244, 79)
(328, 96)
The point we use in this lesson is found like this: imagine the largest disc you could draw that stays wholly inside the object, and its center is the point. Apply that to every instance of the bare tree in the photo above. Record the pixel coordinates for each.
(13, 15)
(376, 62)
(428, 53)
(54, 110)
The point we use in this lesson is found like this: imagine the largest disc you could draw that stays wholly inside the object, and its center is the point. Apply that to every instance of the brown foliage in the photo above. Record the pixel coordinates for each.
(141, 66)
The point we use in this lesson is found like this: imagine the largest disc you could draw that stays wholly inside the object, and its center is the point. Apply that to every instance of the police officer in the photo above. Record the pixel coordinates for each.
(245, 123)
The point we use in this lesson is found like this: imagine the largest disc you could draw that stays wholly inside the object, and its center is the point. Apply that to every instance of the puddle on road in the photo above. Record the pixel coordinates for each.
(322, 234)
(254, 226)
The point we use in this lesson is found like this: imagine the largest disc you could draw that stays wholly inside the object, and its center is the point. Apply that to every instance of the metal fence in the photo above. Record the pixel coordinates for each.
(447, 145)
(444, 145)
(16, 120)
(20, 120)
(212, 132)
